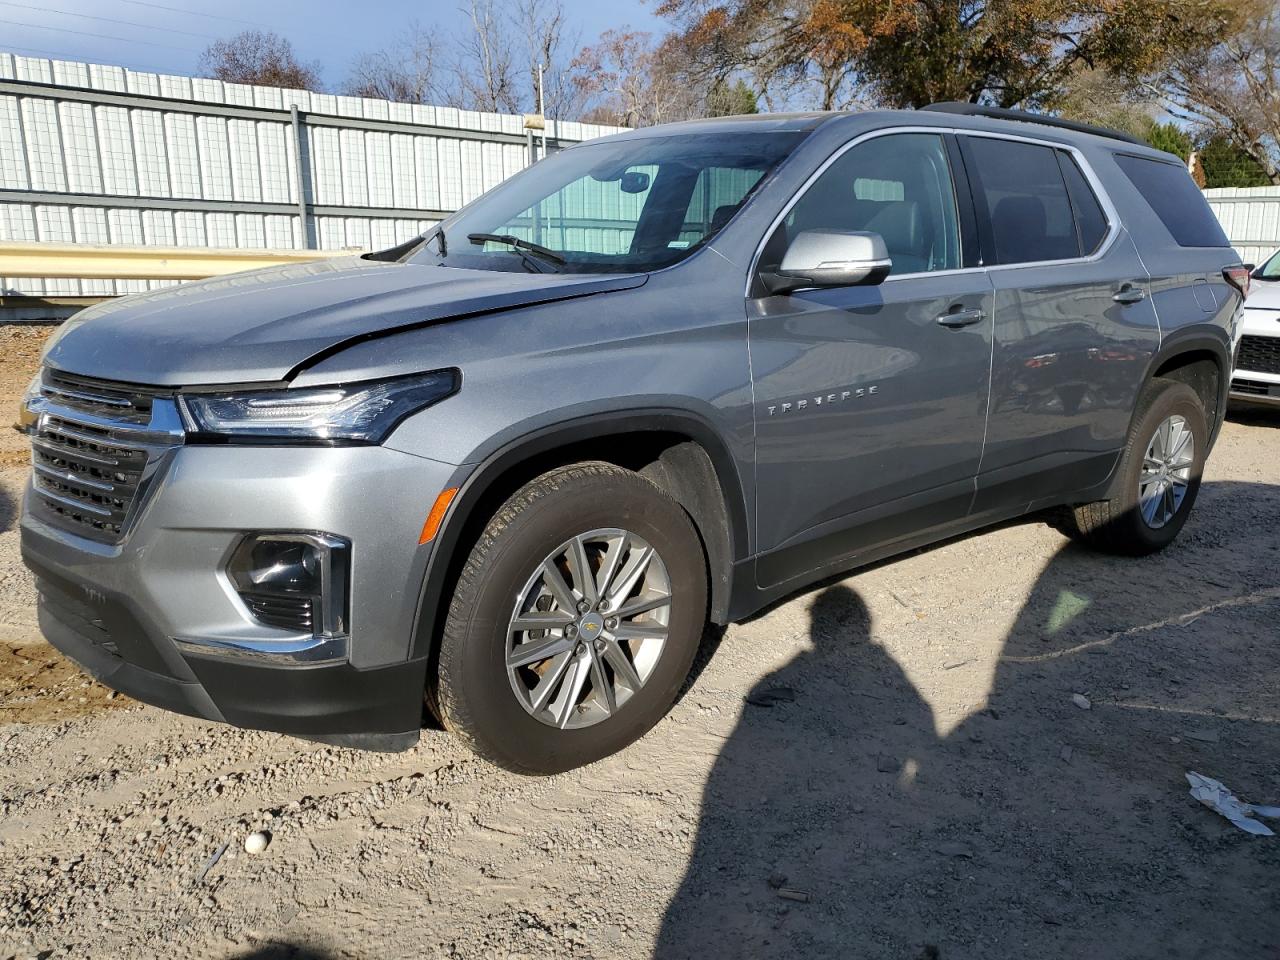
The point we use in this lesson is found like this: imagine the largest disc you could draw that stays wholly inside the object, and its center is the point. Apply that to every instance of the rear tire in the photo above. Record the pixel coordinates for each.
(599, 676)
(1156, 481)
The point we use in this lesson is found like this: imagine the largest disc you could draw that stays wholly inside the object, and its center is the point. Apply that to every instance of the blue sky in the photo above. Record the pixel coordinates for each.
(168, 35)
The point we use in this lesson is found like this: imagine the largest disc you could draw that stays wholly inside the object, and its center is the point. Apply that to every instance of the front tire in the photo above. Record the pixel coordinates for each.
(574, 621)
(1156, 480)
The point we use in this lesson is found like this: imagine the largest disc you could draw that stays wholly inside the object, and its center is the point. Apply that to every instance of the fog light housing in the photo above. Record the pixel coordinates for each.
(295, 581)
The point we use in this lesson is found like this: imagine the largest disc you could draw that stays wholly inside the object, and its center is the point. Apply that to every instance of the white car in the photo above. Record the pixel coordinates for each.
(1257, 375)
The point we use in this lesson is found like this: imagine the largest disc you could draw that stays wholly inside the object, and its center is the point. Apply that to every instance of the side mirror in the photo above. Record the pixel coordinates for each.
(830, 258)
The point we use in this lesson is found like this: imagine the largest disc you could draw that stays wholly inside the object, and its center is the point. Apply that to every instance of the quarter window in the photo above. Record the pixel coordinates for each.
(1173, 195)
(1020, 188)
(1091, 222)
(898, 186)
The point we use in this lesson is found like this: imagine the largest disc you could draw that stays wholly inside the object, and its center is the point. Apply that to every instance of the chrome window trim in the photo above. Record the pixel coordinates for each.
(1091, 177)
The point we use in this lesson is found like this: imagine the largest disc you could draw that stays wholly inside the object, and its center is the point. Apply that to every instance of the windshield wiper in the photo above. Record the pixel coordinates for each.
(534, 248)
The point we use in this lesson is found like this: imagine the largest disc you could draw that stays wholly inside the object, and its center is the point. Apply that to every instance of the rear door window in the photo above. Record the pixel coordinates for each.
(1176, 200)
(1020, 189)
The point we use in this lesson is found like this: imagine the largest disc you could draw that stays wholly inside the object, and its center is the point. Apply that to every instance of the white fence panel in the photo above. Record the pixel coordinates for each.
(1251, 218)
(98, 154)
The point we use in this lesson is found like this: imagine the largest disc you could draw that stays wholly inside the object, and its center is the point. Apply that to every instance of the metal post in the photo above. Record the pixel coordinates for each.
(302, 164)
(542, 109)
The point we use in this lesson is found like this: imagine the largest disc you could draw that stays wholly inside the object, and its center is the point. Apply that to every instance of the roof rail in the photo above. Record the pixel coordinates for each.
(1001, 113)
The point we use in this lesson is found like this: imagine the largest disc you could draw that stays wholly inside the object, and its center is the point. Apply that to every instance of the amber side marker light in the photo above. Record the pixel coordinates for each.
(434, 518)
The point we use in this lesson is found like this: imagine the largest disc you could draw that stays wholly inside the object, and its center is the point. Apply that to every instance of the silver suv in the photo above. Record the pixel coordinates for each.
(511, 469)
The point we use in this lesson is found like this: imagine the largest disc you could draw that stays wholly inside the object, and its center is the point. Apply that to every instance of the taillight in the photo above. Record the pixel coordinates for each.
(1238, 277)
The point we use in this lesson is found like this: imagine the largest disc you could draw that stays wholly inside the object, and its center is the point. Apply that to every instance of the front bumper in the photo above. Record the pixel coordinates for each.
(1249, 384)
(157, 618)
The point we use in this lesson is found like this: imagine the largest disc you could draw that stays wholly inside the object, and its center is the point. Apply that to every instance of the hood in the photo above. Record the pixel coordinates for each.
(1263, 295)
(262, 325)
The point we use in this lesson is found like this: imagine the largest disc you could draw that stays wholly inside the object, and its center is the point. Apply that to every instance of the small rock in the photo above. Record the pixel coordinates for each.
(1066, 754)
(886, 763)
(1081, 701)
(776, 880)
(958, 850)
(1204, 736)
(256, 842)
(799, 896)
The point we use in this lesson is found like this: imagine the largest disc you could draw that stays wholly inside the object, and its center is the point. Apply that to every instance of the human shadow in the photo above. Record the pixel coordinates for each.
(839, 822)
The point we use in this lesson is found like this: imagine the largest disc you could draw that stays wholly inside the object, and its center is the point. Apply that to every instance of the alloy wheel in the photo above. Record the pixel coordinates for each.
(588, 628)
(1166, 471)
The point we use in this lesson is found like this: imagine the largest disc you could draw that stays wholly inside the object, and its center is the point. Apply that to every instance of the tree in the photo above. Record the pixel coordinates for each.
(1103, 99)
(1226, 165)
(731, 99)
(494, 64)
(908, 53)
(1230, 90)
(484, 72)
(259, 57)
(627, 80)
(405, 73)
(1171, 138)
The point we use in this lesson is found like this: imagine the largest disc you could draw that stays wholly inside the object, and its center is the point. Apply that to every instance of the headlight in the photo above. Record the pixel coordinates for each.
(359, 412)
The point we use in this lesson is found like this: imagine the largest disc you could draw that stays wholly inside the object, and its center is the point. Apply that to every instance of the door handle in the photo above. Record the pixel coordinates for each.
(962, 318)
(1130, 294)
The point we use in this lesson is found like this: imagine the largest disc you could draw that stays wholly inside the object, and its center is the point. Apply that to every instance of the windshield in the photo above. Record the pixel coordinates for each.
(612, 207)
(1269, 270)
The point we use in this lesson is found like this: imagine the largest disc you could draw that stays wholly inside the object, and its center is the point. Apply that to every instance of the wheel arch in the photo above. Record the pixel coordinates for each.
(1202, 360)
(678, 450)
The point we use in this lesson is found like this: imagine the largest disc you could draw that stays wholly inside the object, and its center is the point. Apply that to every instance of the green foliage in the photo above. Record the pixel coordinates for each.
(1170, 138)
(731, 99)
(1226, 165)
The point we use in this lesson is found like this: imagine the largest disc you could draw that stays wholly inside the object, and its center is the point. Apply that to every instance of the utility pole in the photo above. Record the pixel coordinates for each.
(542, 108)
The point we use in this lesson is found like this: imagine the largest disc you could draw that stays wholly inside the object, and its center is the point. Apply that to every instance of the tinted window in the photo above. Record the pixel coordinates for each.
(898, 186)
(1176, 200)
(1091, 222)
(1025, 198)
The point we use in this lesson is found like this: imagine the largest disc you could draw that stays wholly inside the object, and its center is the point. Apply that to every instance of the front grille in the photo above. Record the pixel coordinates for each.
(1252, 387)
(91, 449)
(1259, 354)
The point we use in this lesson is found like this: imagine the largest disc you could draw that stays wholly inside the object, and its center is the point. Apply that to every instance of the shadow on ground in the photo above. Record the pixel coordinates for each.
(1254, 415)
(284, 951)
(838, 822)
(8, 510)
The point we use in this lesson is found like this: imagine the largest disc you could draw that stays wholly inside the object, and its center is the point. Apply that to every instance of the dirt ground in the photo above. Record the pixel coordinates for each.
(889, 766)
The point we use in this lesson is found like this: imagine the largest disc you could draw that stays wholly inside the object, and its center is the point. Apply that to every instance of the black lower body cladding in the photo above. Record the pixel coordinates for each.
(376, 709)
